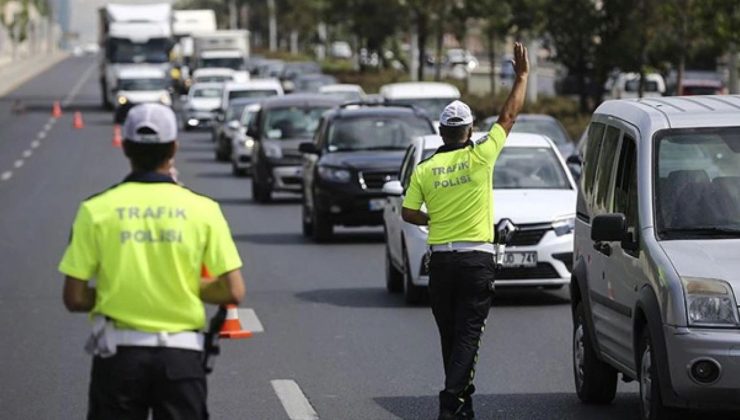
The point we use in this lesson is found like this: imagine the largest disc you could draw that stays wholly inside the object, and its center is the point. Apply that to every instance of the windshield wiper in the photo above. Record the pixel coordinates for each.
(703, 231)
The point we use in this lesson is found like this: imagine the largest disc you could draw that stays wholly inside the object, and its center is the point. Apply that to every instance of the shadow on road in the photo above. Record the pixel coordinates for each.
(528, 297)
(200, 159)
(360, 297)
(233, 201)
(224, 174)
(519, 406)
(286, 238)
(186, 148)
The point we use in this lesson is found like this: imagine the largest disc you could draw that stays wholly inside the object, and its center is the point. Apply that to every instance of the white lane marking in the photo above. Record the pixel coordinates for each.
(294, 402)
(6, 175)
(47, 126)
(41, 135)
(35, 144)
(18, 163)
(52, 121)
(27, 153)
(76, 89)
(249, 320)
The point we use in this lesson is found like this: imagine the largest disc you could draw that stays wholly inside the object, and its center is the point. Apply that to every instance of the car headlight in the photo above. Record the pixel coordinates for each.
(273, 151)
(249, 143)
(165, 99)
(564, 225)
(334, 174)
(710, 302)
(122, 100)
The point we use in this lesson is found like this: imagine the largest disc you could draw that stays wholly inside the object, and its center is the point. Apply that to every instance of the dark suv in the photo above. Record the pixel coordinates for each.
(282, 124)
(356, 150)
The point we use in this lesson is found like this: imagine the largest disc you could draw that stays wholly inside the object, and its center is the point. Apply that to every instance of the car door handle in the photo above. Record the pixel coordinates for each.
(603, 248)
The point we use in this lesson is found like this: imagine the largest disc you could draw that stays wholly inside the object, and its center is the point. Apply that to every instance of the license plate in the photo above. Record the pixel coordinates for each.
(520, 259)
(376, 204)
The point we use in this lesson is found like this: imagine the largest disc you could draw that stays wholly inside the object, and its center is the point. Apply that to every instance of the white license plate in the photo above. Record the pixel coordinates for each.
(520, 259)
(376, 204)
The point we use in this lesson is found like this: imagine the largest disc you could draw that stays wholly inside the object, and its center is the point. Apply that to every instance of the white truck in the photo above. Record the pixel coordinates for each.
(132, 35)
(185, 25)
(224, 48)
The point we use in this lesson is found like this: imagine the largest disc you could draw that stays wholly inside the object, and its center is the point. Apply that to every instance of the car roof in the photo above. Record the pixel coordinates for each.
(243, 101)
(207, 85)
(254, 84)
(136, 72)
(434, 141)
(350, 110)
(341, 87)
(299, 99)
(221, 54)
(213, 71)
(655, 113)
(419, 90)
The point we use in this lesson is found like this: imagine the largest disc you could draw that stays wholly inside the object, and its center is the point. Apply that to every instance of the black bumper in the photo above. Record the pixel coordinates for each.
(349, 205)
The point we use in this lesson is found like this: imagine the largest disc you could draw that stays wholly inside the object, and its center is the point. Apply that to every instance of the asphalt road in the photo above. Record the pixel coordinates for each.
(353, 351)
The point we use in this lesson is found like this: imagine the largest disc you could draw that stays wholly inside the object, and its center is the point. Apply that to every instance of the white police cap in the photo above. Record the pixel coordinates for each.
(150, 123)
(456, 114)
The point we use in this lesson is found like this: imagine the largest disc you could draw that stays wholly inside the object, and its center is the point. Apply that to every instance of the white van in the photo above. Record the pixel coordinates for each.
(431, 97)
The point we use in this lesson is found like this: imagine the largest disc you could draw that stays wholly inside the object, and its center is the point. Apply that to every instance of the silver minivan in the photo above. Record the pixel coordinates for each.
(657, 254)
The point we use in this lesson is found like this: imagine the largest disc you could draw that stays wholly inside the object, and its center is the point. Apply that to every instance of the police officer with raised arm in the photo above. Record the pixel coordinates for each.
(144, 242)
(456, 185)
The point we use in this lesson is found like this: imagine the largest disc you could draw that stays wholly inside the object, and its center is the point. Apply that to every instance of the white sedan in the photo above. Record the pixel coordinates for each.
(533, 188)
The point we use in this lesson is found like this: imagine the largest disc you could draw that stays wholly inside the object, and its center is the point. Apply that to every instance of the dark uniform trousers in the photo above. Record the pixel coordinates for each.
(461, 294)
(170, 382)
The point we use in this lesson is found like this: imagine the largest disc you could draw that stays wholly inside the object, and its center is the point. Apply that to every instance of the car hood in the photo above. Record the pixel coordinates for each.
(142, 96)
(389, 160)
(204, 104)
(716, 258)
(289, 147)
(533, 206)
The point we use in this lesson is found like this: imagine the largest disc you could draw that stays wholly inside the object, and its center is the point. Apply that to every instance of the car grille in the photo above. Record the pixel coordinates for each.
(291, 180)
(541, 271)
(527, 235)
(375, 180)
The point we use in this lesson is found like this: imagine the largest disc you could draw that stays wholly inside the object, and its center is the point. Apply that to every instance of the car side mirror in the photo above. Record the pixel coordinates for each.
(393, 188)
(574, 160)
(609, 228)
(220, 117)
(183, 98)
(308, 148)
(234, 125)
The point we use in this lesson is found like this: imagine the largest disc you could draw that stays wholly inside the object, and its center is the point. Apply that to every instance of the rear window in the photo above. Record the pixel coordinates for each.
(292, 122)
(207, 93)
(529, 168)
(376, 133)
(262, 93)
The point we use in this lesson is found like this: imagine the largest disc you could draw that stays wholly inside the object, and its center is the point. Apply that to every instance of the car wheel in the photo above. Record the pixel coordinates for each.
(393, 278)
(259, 194)
(221, 154)
(323, 229)
(412, 293)
(651, 403)
(596, 381)
(306, 221)
(236, 171)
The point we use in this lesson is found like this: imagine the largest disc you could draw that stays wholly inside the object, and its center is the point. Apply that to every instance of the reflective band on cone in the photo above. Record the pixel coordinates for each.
(232, 328)
(56, 110)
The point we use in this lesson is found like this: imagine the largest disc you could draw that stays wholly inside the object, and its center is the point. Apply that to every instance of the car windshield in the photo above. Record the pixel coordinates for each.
(234, 111)
(698, 183)
(207, 93)
(431, 106)
(142, 84)
(552, 129)
(345, 95)
(376, 133)
(234, 63)
(519, 168)
(213, 79)
(252, 93)
(125, 51)
(293, 122)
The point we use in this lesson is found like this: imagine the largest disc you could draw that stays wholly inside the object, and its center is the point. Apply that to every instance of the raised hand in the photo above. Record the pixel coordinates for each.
(520, 61)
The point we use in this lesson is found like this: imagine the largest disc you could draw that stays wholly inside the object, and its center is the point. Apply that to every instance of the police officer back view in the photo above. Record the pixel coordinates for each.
(456, 184)
(144, 241)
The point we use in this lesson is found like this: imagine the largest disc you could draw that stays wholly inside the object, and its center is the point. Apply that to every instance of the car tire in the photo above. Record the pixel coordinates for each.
(221, 154)
(307, 225)
(259, 193)
(236, 171)
(323, 228)
(651, 402)
(412, 293)
(393, 277)
(596, 381)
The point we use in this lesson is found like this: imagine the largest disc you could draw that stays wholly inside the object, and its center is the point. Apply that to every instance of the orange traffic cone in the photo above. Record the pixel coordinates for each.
(117, 142)
(232, 328)
(56, 110)
(77, 122)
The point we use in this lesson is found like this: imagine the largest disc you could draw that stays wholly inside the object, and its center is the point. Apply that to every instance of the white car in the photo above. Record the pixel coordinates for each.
(203, 100)
(138, 85)
(242, 145)
(256, 88)
(431, 97)
(627, 86)
(533, 188)
(345, 91)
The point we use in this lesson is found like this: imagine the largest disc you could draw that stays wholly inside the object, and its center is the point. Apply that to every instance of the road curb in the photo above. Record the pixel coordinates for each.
(16, 73)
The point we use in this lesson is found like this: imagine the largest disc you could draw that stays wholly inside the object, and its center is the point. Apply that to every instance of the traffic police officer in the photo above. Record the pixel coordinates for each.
(144, 241)
(456, 184)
